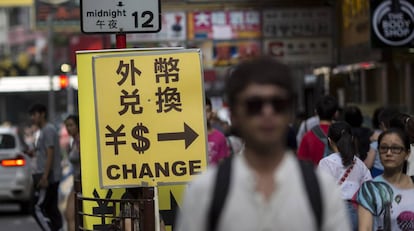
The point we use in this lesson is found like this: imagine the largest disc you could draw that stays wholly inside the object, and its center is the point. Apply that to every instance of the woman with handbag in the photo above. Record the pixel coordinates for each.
(349, 171)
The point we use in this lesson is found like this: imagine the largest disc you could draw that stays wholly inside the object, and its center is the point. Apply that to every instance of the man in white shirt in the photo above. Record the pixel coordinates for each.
(266, 189)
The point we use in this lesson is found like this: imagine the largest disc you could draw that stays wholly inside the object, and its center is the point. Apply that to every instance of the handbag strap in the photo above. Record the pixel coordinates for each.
(346, 173)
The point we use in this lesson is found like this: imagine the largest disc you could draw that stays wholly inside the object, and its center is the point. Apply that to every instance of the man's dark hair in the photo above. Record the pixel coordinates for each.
(399, 121)
(375, 117)
(73, 117)
(353, 116)
(38, 107)
(208, 102)
(386, 115)
(326, 107)
(258, 70)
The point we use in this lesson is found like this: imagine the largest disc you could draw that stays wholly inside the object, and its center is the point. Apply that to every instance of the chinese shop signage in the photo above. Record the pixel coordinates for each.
(297, 22)
(173, 28)
(224, 24)
(66, 15)
(392, 23)
(127, 16)
(149, 117)
(300, 51)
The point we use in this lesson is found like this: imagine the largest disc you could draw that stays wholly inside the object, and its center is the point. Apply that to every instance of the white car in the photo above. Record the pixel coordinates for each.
(15, 171)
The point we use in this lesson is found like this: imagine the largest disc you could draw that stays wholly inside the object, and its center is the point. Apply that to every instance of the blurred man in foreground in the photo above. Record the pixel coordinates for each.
(264, 187)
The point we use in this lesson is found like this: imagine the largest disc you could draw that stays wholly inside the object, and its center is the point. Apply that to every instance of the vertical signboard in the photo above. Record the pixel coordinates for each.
(150, 117)
(392, 23)
(355, 23)
(164, 131)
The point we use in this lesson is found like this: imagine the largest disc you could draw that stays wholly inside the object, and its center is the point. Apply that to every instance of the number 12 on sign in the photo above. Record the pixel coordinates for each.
(148, 17)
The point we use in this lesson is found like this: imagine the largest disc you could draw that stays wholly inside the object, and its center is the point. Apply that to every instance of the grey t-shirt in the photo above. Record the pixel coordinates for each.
(48, 137)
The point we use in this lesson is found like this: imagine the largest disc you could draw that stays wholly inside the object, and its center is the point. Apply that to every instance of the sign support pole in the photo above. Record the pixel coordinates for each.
(120, 40)
(147, 193)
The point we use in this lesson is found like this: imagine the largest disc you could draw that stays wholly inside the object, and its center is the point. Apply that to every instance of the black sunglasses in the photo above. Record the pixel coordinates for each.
(254, 105)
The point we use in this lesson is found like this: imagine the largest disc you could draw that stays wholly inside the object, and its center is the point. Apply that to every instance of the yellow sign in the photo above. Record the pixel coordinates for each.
(170, 201)
(96, 204)
(15, 3)
(149, 117)
(89, 166)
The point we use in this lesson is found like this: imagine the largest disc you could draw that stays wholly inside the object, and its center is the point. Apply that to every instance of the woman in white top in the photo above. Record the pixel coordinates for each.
(349, 171)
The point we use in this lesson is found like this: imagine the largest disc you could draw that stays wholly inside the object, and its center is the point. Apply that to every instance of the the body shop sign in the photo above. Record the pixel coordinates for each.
(392, 23)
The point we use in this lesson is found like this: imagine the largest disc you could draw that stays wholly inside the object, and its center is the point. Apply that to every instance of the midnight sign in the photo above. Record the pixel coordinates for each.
(392, 23)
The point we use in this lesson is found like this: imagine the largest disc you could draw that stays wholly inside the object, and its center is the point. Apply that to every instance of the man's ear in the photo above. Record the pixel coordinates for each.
(382, 126)
(330, 143)
(408, 155)
(234, 121)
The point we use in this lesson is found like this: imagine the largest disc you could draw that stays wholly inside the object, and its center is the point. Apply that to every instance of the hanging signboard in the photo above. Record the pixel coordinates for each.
(150, 117)
(162, 155)
(297, 51)
(392, 23)
(293, 22)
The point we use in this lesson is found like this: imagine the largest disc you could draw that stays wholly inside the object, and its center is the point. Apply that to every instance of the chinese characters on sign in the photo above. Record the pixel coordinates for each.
(125, 16)
(150, 118)
(286, 22)
(224, 24)
(173, 30)
(298, 36)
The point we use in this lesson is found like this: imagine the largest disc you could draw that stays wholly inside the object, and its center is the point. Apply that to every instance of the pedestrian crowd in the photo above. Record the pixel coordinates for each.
(331, 171)
(361, 176)
(44, 145)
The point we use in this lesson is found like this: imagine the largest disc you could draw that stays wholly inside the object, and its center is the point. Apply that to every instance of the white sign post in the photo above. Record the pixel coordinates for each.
(120, 16)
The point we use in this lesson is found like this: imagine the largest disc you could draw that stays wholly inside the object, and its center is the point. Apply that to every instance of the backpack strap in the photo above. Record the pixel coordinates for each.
(222, 184)
(221, 188)
(317, 130)
(313, 190)
(306, 126)
(229, 144)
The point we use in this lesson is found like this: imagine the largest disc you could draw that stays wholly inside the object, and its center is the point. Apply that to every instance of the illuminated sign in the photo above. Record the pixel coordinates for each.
(392, 23)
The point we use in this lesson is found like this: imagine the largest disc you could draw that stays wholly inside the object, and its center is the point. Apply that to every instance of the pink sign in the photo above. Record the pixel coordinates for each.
(224, 24)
